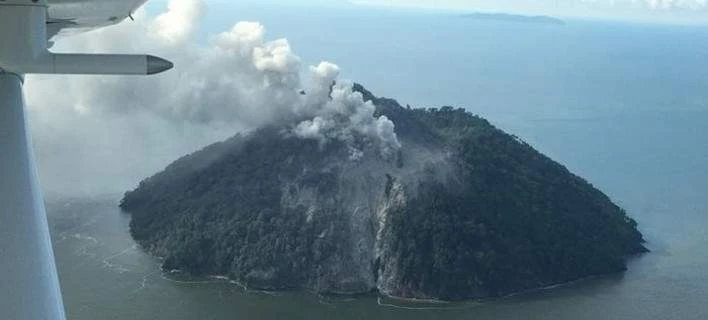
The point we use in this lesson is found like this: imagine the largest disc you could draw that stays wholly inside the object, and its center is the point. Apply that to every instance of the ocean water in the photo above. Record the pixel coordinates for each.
(623, 105)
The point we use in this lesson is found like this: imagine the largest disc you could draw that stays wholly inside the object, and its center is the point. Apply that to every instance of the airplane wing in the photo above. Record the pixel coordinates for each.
(29, 285)
(66, 17)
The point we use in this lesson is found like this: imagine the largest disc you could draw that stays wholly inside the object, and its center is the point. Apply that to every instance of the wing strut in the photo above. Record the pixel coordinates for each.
(29, 286)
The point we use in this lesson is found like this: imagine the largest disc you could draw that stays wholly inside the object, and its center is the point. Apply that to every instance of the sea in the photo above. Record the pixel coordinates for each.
(623, 105)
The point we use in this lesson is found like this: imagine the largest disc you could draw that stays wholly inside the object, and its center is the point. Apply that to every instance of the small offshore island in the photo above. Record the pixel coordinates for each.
(506, 17)
(460, 211)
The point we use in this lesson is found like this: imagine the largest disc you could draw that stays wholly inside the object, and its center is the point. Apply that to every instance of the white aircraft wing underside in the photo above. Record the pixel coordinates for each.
(29, 284)
(72, 16)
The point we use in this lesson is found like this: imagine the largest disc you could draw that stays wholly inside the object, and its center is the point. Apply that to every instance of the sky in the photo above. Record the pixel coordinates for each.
(671, 11)
(654, 11)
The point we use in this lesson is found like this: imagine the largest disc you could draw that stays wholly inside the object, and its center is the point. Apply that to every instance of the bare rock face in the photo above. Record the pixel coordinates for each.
(461, 210)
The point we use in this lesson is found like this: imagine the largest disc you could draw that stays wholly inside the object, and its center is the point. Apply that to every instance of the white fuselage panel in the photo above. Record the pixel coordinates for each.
(81, 15)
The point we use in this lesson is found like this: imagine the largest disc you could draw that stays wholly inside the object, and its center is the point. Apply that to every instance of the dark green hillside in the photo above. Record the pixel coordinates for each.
(519, 220)
(463, 211)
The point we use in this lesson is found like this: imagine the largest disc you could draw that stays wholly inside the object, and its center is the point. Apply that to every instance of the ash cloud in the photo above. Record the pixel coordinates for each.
(340, 113)
(102, 134)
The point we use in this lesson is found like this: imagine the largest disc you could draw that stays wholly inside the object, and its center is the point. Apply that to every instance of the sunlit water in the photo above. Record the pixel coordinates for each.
(623, 105)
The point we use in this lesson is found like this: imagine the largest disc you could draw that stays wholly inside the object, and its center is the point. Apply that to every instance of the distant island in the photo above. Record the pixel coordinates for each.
(506, 17)
(462, 210)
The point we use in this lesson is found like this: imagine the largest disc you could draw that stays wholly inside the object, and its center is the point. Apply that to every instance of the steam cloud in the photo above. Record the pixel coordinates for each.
(345, 116)
(103, 134)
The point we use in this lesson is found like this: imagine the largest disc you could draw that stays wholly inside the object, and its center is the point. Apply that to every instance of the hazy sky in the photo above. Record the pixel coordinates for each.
(688, 11)
(671, 11)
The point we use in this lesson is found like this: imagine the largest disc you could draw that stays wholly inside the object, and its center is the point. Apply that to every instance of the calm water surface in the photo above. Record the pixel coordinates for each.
(623, 105)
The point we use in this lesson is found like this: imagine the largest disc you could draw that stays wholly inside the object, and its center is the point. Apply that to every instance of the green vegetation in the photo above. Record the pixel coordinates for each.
(517, 221)
(222, 215)
(505, 219)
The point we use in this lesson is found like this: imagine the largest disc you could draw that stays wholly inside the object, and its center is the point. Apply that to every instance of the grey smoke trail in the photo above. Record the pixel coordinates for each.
(103, 134)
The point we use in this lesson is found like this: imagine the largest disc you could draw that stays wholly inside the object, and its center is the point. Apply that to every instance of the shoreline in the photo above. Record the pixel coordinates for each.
(378, 294)
(438, 303)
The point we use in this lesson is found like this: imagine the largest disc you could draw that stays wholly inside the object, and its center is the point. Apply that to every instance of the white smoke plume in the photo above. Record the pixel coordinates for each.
(345, 117)
(177, 24)
(103, 134)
